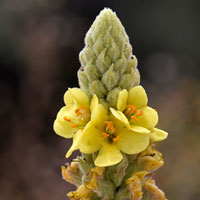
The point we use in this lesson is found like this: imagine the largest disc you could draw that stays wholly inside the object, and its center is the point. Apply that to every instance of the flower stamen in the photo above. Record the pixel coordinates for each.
(134, 117)
(140, 113)
(106, 135)
(77, 110)
(110, 127)
(74, 125)
(116, 139)
(82, 107)
(109, 133)
(82, 113)
(67, 119)
(130, 109)
(132, 112)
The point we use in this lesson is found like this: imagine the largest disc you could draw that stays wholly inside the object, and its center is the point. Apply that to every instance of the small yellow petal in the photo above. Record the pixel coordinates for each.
(68, 111)
(120, 117)
(93, 102)
(64, 129)
(139, 129)
(99, 116)
(82, 193)
(148, 119)
(75, 95)
(158, 135)
(65, 111)
(91, 139)
(137, 97)
(131, 142)
(122, 99)
(76, 143)
(108, 155)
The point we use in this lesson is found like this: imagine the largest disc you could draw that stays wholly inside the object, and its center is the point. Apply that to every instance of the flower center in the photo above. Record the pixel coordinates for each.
(109, 132)
(82, 117)
(132, 112)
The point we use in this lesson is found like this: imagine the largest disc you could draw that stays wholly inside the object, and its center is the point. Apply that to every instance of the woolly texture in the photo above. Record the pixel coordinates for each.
(131, 179)
(108, 65)
(108, 76)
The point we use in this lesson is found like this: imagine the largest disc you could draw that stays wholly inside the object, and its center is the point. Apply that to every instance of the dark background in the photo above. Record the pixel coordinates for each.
(39, 45)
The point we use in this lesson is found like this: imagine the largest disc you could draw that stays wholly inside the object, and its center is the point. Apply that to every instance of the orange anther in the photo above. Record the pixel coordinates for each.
(133, 109)
(77, 110)
(74, 125)
(82, 107)
(116, 139)
(108, 125)
(78, 113)
(130, 109)
(105, 134)
(140, 113)
(133, 117)
(67, 119)
(112, 130)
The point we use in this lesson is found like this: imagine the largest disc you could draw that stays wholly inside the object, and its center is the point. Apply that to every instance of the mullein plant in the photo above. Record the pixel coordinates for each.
(110, 121)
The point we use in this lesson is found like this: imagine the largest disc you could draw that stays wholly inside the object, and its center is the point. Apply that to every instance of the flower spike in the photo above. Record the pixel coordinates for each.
(110, 121)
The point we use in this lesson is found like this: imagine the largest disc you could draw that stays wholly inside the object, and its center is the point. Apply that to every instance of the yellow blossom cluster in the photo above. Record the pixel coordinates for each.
(128, 128)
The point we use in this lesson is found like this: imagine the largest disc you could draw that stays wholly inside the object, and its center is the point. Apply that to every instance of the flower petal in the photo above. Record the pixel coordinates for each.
(139, 129)
(93, 102)
(76, 143)
(63, 127)
(75, 95)
(158, 135)
(99, 116)
(137, 97)
(108, 155)
(131, 142)
(91, 139)
(120, 117)
(148, 119)
(122, 99)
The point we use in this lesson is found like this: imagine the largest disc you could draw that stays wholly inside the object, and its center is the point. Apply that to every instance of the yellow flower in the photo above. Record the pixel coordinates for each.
(82, 193)
(135, 184)
(96, 174)
(108, 134)
(74, 115)
(142, 118)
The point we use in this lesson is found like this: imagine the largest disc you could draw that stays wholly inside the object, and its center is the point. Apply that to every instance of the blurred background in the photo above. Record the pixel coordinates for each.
(40, 41)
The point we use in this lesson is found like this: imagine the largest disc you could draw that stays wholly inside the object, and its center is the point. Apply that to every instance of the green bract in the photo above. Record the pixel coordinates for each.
(109, 121)
(108, 65)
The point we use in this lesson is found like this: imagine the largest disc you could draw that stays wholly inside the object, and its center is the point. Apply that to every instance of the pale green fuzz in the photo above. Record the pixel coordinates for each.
(110, 121)
(107, 63)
